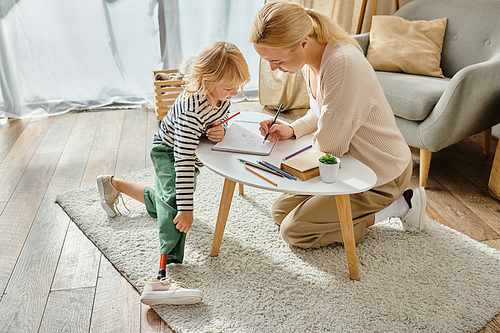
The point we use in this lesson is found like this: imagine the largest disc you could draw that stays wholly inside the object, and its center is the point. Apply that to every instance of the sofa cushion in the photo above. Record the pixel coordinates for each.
(399, 45)
(411, 96)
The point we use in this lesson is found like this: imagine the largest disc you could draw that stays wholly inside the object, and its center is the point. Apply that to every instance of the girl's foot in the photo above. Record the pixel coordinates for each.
(168, 291)
(108, 194)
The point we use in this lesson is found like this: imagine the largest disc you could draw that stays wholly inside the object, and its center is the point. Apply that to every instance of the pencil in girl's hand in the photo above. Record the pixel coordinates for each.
(234, 115)
(258, 174)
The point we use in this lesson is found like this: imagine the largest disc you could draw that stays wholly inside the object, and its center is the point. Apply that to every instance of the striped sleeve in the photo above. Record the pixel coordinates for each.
(182, 129)
(187, 132)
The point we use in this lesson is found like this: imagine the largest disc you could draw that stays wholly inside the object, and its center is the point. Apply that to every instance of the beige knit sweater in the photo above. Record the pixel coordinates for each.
(355, 117)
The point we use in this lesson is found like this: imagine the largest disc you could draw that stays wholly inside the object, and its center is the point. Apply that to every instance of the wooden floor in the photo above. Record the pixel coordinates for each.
(53, 279)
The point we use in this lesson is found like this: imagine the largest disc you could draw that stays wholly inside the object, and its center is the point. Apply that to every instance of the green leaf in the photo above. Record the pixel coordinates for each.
(328, 159)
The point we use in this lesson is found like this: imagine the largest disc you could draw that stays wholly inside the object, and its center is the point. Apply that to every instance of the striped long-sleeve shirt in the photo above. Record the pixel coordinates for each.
(181, 129)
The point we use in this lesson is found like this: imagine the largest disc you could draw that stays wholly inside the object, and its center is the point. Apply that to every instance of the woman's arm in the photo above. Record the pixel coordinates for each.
(278, 131)
(305, 125)
(346, 98)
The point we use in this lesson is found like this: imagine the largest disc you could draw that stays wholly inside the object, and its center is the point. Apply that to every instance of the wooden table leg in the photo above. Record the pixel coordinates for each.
(225, 204)
(494, 180)
(345, 214)
(241, 189)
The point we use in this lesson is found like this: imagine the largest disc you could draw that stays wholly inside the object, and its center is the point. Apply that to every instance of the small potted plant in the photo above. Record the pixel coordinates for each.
(328, 168)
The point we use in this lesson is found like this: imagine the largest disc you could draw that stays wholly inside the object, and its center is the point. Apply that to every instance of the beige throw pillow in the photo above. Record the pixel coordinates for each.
(399, 45)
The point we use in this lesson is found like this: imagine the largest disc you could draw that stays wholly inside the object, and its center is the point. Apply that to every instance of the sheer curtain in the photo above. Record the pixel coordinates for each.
(63, 55)
(195, 24)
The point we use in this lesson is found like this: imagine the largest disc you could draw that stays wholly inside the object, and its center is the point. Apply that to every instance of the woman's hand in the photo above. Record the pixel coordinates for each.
(215, 133)
(278, 131)
(183, 220)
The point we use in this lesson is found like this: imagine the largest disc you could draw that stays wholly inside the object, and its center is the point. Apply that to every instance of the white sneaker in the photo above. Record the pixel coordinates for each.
(414, 220)
(108, 194)
(168, 291)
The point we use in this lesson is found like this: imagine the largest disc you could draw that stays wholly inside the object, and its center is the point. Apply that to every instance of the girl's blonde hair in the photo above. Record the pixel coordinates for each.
(284, 25)
(219, 63)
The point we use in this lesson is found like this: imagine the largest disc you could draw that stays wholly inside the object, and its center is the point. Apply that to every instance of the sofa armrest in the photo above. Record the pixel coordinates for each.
(469, 105)
(363, 40)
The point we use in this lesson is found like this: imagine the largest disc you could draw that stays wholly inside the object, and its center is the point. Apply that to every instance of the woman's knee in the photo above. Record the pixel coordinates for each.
(287, 233)
(293, 234)
(284, 205)
(277, 213)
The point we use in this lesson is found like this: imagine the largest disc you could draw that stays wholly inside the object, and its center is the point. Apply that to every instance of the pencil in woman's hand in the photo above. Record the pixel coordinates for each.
(274, 120)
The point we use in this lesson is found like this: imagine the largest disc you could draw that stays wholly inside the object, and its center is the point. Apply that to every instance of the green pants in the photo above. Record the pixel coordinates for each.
(161, 203)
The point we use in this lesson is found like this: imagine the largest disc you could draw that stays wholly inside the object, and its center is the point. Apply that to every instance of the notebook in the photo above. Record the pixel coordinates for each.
(304, 167)
(243, 136)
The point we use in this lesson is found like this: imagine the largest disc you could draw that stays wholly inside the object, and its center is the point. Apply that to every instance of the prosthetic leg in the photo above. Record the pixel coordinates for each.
(163, 265)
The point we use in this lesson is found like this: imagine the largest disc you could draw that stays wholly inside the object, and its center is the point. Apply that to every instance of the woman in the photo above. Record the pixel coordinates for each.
(348, 114)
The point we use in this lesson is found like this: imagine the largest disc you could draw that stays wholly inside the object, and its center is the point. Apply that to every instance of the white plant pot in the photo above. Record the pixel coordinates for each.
(329, 172)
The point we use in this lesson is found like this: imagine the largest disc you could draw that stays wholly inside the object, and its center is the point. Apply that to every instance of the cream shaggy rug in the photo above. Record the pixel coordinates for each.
(435, 281)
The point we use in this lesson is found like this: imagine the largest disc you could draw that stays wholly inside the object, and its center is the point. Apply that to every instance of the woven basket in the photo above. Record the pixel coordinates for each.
(168, 85)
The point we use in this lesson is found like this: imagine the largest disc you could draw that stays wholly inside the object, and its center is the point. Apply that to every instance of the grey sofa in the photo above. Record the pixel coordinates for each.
(434, 113)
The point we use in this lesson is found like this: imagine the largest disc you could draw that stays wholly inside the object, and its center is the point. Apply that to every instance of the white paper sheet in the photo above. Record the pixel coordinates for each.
(244, 136)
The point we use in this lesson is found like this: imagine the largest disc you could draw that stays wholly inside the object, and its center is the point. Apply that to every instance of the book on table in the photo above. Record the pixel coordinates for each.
(243, 136)
(304, 167)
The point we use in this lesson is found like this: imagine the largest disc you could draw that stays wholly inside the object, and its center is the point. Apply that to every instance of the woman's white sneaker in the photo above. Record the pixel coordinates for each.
(414, 220)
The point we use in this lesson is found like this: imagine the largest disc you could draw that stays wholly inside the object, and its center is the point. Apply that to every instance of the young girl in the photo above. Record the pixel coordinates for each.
(217, 73)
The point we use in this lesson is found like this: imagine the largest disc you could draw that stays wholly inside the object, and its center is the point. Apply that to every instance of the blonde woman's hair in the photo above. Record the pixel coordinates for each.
(284, 25)
(219, 63)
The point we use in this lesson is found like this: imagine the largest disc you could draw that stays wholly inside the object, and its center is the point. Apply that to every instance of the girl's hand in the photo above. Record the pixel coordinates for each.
(215, 133)
(183, 220)
(278, 131)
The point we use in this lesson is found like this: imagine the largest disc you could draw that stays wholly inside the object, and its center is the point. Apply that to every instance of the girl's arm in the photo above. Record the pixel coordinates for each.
(216, 133)
(183, 220)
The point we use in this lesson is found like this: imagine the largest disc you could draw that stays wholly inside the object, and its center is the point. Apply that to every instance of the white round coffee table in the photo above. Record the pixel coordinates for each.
(353, 177)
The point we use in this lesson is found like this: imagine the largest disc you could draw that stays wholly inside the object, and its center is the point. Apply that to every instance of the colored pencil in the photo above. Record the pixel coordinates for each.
(245, 161)
(269, 165)
(234, 115)
(275, 168)
(258, 174)
(297, 152)
(264, 169)
(274, 120)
